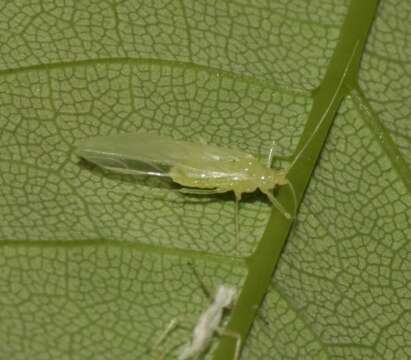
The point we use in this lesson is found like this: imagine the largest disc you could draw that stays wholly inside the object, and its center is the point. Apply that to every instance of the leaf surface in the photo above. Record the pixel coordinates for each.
(95, 265)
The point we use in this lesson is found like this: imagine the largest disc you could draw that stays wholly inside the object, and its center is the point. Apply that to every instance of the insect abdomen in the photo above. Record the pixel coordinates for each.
(201, 181)
(239, 182)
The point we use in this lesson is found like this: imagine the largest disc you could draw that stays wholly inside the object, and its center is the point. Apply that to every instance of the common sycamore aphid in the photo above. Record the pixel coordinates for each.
(200, 168)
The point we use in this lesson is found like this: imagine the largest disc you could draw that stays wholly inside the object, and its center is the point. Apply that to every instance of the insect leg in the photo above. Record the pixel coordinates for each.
(271, 155)
(204, 287)
(236, 217)
(172, 325)
(277, 204)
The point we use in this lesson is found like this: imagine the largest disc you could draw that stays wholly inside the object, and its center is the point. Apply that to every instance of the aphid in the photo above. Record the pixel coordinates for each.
(207, 325)
(200, 168)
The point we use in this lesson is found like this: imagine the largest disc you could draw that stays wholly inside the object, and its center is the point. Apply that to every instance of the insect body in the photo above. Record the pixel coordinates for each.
(241, 174)
(209, 323)
(199, 168)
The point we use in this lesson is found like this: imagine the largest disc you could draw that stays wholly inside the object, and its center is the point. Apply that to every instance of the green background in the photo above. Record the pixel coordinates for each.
(95, 265)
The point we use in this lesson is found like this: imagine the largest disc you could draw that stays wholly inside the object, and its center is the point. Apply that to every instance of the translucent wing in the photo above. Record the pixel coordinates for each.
(149, 154)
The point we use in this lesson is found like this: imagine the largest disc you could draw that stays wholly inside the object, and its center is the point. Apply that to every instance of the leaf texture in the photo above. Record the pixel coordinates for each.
(95, 265)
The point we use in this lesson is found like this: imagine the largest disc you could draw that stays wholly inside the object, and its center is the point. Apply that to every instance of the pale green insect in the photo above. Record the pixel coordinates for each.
(199, 168)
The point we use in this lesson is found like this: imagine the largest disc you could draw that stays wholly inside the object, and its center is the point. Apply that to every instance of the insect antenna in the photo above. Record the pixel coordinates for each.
(297, 156)
(308, 141)
(326, 112)
(294, 195)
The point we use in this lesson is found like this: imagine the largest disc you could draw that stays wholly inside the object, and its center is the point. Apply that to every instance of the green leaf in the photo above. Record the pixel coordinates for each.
(95, 265)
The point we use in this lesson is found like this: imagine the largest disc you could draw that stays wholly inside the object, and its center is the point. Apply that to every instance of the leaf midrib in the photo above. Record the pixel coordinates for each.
(340, 79)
